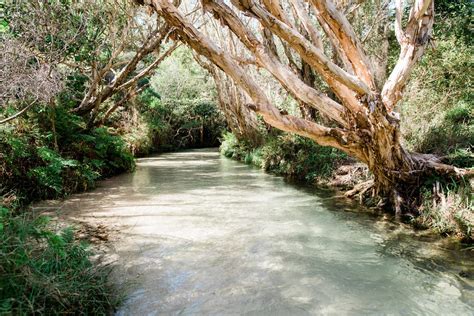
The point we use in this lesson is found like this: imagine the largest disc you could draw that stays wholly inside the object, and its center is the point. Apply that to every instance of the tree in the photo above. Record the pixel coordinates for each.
(363, 121)
(232, 100)
(112, 45)
(232, 103)
(132, 42)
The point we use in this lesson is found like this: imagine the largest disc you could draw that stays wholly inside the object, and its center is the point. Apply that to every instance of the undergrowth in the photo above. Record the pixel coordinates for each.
(288, 155)
(438, 107)
(447, 209)
(47, 272)
(37, 164)
(44, 271)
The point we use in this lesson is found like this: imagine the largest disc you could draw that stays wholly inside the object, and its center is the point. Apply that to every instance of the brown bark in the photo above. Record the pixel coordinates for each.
(242, 121)
(368, 128)
(97, 93)
(339, 28)
(268, 60)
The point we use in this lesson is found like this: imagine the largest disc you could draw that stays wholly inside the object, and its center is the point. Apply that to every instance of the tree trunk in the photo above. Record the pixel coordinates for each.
(363, 123)
(233, 103)
(398, 174)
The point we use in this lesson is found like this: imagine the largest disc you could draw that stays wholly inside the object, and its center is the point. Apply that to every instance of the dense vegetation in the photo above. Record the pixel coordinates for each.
(47, 272)
(56, 61)
(287, 155)
(438, 112)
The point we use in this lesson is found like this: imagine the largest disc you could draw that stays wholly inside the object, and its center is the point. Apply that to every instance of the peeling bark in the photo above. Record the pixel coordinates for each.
(97, 94)
(232, 102)
(368, 129)
(413, 41)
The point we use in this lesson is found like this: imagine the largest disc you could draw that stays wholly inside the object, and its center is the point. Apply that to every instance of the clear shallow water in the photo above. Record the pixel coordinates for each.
(196, 233)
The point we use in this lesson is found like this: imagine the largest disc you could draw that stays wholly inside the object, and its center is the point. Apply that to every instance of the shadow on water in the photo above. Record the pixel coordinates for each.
(200, 234)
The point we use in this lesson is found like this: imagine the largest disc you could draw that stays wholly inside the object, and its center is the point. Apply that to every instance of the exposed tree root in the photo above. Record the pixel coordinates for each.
(360, 189)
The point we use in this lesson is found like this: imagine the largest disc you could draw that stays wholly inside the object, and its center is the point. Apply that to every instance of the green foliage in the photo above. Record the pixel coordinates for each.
(455, 19)
(50, 152)
(47, 272)
(3, 26)
(285, 154)
(50, 174)
(463, 158)
(179, 110)
(32, 167)
(447, 209)
(452, 136)
(181, 123)
(179, 77)
(64, 29)
(300, 158)
(438, 108)
(110, 151)
(230, 146)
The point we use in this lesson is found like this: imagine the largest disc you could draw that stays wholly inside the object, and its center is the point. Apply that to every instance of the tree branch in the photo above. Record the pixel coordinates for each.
(14, 116)
(342, 31)
(203, 46)
(398, 21)
(413, 41)
(305, 20)
(151, 67)
(342, 83)
(269, 61)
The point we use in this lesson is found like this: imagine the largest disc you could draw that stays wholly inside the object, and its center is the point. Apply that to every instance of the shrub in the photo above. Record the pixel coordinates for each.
(177, 123)
(35, 164)
(448, 210)
(47, 272)
(285, 154)
(300, 158)
(231, 147)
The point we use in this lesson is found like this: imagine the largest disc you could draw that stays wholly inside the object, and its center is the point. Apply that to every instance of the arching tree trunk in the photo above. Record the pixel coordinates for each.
(363, 122)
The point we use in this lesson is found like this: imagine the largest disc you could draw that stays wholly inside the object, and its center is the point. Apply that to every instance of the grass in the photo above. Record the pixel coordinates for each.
(48, 272)
(448, 211)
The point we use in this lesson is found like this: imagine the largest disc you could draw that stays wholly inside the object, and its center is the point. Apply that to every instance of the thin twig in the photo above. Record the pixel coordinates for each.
(14, 116)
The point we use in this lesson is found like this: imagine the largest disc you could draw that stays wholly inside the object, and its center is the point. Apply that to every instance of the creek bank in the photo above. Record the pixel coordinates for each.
(447, 209)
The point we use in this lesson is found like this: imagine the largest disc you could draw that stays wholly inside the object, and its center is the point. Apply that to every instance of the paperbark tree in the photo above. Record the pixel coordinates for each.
(364, 124)
(232, 101)
(104, 82)
(113, 44)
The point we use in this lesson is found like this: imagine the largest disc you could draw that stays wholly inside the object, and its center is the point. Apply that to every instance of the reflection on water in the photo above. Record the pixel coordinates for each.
(201, 234)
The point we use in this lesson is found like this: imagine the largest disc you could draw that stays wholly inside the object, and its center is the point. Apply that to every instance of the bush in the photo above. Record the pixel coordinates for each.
(300, 158)
(448, 210)
(231, 147)
(181, 123)
(35, 164)
(47, 272)
(288, 155)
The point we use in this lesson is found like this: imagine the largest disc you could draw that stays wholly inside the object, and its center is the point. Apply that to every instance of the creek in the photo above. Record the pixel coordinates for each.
(197, 233)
